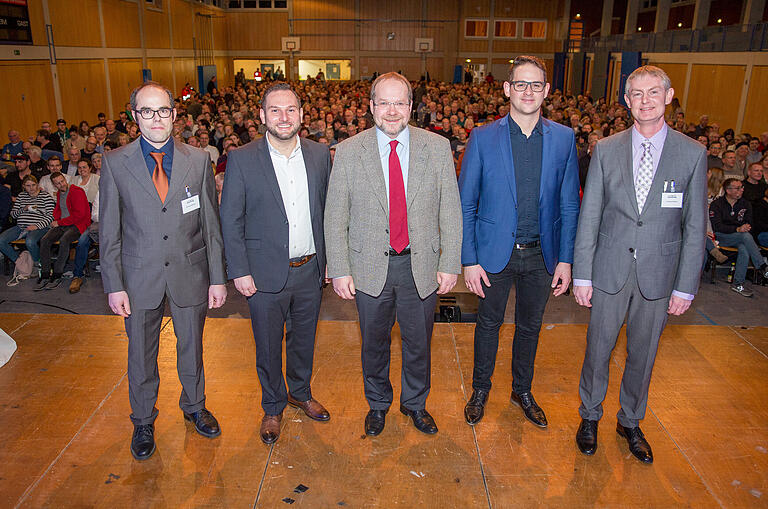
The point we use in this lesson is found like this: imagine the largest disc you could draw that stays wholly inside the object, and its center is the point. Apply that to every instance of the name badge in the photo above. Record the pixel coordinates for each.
(192, 203)
(671, 200)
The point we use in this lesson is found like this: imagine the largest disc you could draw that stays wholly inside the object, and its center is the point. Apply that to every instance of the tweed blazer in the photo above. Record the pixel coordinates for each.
(357, 212)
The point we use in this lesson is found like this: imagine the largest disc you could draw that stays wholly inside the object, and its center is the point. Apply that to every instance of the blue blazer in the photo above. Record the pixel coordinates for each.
(489, 196)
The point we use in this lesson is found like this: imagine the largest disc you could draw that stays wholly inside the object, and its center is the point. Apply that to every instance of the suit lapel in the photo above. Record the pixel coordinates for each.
(505, 144)
(627, 175)
(547, 148)
(416, 165)
(264, 164)
(372, 164)
(179, 170)
(668, 154)
(136, 165)
(312, 175)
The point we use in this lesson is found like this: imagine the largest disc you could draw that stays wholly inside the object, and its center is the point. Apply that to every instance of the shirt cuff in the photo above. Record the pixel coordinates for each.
(582, 282)
(686, 296)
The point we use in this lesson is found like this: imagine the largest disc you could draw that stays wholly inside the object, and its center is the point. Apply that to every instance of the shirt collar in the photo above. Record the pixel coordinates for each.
(274, 151)
(404, 138)
(657, 140)
(515, 129)
(146, 148)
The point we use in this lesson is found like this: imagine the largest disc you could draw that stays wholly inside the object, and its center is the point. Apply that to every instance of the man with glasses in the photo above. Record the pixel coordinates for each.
(731, 217)
(160, 240)
(639, 252)
(519, 187)
(393, 237)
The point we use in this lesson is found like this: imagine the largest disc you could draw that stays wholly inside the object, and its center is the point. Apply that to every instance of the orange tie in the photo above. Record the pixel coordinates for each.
(159, 178)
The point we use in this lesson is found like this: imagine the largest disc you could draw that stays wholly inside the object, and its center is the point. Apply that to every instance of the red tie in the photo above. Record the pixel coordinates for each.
(398, 217)
(159, 178)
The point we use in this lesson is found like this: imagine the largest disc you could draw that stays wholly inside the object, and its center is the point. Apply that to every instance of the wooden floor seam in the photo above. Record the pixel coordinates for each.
(747, 341)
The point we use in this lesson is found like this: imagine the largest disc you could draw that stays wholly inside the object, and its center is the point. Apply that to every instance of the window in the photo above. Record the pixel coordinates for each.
(256, 4)
(476, 28)
(155, 4)
(505, 29)
(534, 29)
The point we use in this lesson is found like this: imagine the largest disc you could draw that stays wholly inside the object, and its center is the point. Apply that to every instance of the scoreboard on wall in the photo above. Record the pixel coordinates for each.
(14, 22)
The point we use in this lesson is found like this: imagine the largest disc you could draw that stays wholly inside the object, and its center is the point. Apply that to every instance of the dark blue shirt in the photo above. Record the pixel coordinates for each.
(526, 155)
(146, 148)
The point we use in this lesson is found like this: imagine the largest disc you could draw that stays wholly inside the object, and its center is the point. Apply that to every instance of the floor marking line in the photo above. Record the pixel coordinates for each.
(747, 341)
(474, 433)
(34, 485)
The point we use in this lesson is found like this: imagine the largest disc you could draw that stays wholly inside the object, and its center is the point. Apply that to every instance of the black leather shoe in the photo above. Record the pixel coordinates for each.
(586, 437)
(638, 445)
(143, 441)
(205, 423)
(421, 419)
(532, 411)
(374, 422)
(475, 408)
(41, 284)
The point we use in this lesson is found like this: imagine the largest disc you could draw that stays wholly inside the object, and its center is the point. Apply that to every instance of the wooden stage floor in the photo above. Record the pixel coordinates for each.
(64, 415)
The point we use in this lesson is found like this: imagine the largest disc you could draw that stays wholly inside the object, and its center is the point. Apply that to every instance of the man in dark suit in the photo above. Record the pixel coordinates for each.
(519, 188)
(272, 219)
(639, 251)
(160, 241)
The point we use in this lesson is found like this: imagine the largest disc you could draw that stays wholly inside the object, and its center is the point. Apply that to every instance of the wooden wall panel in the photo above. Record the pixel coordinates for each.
(162, 70)
(755, 120)
(74, 23)
(124, 76)
(324, 35)
(27, 99)
(676, 73)
(37, 21)
(220, 29)
(409, 67)
(121, 24)
(183, 17)
(254, 31)
(475, 8)
(712, 92)
(443, 9)
(83, 88)
(185, 73)
(225, 74)
(156, 33)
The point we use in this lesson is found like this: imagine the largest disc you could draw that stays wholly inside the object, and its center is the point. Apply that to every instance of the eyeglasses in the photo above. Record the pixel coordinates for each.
(149, 114)
(520, 86)
(736, 188)
(400, 105)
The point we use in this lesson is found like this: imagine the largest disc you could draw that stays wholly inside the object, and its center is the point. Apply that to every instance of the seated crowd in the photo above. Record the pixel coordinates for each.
(49, 176)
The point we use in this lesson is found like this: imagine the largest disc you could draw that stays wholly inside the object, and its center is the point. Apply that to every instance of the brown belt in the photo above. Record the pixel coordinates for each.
(298, 262)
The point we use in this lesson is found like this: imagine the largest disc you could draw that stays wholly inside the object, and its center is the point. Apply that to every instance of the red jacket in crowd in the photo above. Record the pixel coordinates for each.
(79, 210)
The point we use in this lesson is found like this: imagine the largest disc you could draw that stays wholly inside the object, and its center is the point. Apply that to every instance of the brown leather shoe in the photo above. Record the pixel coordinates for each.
(75, 285)
(270, 428)
(312, 408)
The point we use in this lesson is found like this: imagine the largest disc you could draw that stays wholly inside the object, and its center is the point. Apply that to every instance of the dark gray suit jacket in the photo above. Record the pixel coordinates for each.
(668, 242)
(253, 219)
(145, 244)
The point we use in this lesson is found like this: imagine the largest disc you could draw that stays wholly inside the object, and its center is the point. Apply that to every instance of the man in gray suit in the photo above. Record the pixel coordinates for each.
(160, 241)
(272, 220)
(639, 251)
(393, 237)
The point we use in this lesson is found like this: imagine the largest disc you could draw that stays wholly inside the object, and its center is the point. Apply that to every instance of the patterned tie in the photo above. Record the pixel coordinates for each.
(644, 176)
(398, 218)
(159, 178)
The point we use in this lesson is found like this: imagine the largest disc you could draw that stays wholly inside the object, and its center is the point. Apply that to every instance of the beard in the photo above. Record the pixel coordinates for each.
(390, 129)
(283, 135)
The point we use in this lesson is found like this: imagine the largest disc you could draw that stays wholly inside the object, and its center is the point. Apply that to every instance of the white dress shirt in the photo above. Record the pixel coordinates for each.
(291, 176)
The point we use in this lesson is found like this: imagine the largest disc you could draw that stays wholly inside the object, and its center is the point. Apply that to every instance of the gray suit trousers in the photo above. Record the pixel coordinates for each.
(143, 328)
(416, 316)
(645, 322)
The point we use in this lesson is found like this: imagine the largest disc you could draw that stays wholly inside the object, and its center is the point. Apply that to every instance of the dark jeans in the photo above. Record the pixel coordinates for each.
(66, 235)
(526, 270)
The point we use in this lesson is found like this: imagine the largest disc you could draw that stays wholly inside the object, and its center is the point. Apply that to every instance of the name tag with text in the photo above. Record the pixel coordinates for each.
(671, 200)
(190, 204)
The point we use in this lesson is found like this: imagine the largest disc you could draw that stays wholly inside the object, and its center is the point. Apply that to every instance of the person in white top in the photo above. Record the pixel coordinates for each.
(86, 180)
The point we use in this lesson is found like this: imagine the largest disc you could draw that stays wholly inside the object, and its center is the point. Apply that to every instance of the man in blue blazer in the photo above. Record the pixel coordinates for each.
(519, 188)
